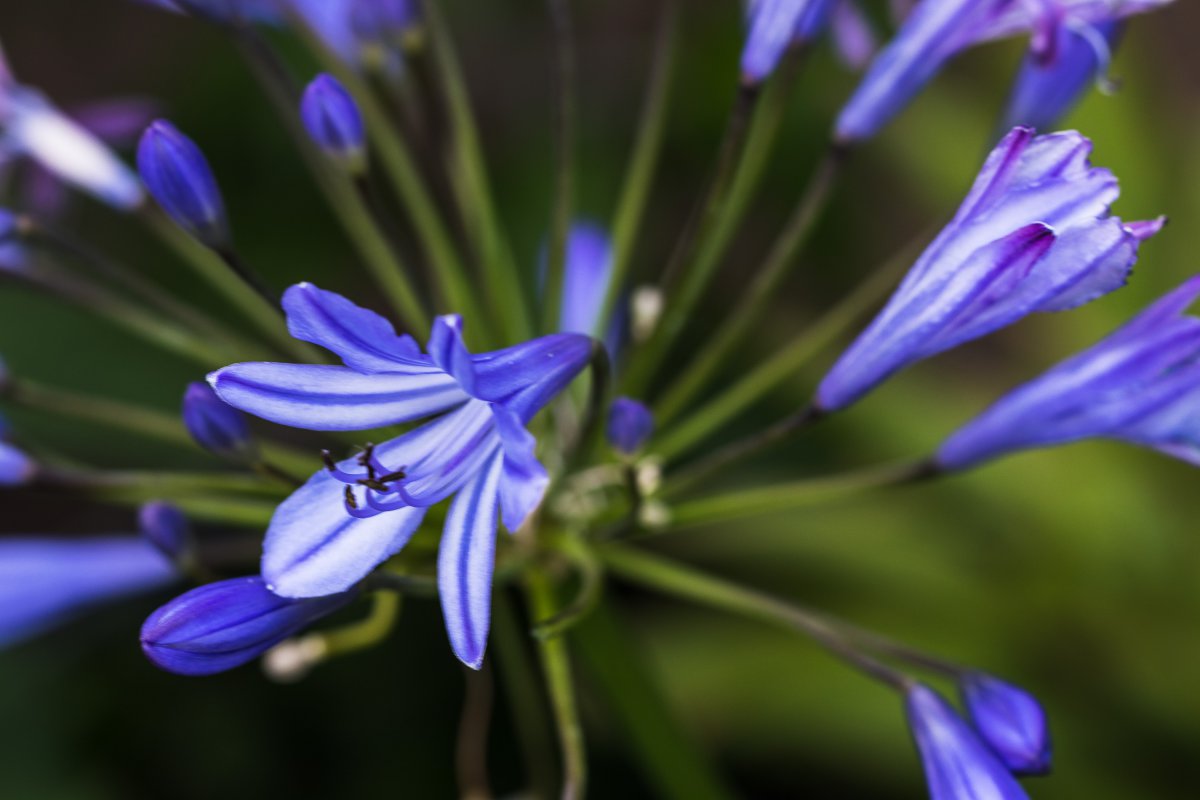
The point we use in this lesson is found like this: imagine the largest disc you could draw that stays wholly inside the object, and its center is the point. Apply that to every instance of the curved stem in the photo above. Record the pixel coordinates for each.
(591, 583)
(798, 494)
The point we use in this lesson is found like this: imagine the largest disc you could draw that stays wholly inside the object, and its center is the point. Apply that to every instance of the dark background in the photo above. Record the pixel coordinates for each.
(1073, 572)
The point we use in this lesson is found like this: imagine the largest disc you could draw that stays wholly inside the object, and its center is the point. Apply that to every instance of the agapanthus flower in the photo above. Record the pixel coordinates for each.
(349, 518)
(223, 625)
(47, 581)
(1050, 83)
(333, 120)
(1141, 384)
(936, 30)
(32, 127)
(1033, 235)
(958, 765)
(1010, 720)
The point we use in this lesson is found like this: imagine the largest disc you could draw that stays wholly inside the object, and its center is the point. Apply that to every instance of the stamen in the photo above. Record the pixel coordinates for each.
(353, 509)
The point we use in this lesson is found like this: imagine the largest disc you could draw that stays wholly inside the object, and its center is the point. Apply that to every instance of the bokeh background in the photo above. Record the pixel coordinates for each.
(1073, 572)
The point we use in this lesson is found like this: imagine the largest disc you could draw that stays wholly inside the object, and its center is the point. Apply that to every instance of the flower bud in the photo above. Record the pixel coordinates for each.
(957, 763)
(178, 176)
(629, 425)
(1011, 721)
(166, 527)
(16, 468)
(223, 625)
(334, 122)
(383, 21)
(215, 426)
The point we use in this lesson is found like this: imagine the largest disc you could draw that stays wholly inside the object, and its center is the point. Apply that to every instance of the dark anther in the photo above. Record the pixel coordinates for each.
(367, 459)
(330, 464)
(398, 475)
(350, 499)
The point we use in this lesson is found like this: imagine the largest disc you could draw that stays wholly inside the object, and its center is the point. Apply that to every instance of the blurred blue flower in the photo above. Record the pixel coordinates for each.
(586, 281)
(630, 424)
(223, 625)
(214, 425)
(32, 127)
(958, 765)
(16, 468)
(166, 527)
(44, 581)
(1141, 384)
(333, 120)
(336, 528)
(936, 30)
(1010, 720)
(177, 174)
(1051, 83)
(776, 25)
(1033, 235)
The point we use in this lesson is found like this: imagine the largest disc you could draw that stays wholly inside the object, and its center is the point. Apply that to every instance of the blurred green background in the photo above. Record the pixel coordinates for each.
(1073, 572)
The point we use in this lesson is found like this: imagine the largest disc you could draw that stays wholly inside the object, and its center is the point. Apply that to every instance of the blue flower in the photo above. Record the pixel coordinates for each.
(587, 277)
(1140, 385)
(1050, 83)
(44, 582)
(177, 174)
(333, 120)
(1010, 720)
(630, 424)
(1034, 234)
(776, 25)
(32, 127)
(223, 625)
(958, 765)
(16, 468)
(936, 30)
(349, 518)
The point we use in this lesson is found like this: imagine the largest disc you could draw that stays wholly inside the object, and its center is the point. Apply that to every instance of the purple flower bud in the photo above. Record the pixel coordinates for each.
(1010, 721)
(217, 427)
(16, 468)
(334, 121)
(776, 25)
(223, 625)
(177, 174)
(958, 765)
(382, 20)
(166, 527)
(629, 425)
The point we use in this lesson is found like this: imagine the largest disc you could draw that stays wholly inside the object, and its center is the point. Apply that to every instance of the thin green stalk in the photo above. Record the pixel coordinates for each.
(749, 309)
(783, 364)
(527, 704)
(564, 166)
(364, 224)
(674, 764)
(721, 221)
(556, 667)
(796, 494)
(631, 208)
(501, 274)
(591, 584)
(209, 266)
(676, 579)
(446, 266)
(368, 632)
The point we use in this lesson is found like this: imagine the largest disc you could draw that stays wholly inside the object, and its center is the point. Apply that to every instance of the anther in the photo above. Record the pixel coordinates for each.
(351, 500)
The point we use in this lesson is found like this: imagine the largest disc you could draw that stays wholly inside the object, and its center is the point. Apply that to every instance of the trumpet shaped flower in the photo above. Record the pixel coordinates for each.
(474, 447)
(1033, 235)
(937, 30)
(1140, 385)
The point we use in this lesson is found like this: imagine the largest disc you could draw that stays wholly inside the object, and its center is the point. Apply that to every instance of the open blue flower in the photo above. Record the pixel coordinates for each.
(1140, 385)
(349, 518)
(936, 30)
(45, 581)
(32, 127)
(1034, 234)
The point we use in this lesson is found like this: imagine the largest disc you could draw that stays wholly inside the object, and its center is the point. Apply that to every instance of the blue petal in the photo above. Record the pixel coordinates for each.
(527, 376)
(586, 280)
(223, 625)
(44, 582)
(524, 480)
(326, 398)
(466, 560)
(448, 351)
(775, 25)
(363, 340)
(1010, 720)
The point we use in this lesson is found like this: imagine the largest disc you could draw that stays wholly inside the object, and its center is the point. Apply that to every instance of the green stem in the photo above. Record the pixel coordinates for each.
(564, 168)
(783, 364)
(556, 667)
(500, 272)
(682, 581)
(631, 208)
(749, 309)
(372, 630)
(673, 762)
(591, 584)
(397, 161)
(380, 253)
(797, 494)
